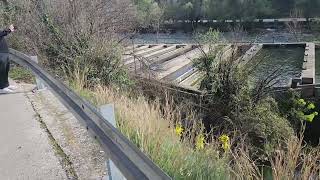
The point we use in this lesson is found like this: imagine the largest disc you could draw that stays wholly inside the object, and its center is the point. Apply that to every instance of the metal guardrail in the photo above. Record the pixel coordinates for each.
(133, 164)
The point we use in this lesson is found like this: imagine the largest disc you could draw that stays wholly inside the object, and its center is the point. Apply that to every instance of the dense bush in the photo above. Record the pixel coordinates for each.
(233, 101)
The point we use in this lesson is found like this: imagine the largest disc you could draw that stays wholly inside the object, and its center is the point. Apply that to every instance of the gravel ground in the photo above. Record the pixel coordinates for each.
(83, 156)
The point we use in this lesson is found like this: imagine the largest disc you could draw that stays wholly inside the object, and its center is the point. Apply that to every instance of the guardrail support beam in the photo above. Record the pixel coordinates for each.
(40, 84)
(107, 111)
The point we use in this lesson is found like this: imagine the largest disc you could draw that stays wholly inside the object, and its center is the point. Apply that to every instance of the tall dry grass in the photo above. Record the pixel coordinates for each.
(295, 161)
(149, 126)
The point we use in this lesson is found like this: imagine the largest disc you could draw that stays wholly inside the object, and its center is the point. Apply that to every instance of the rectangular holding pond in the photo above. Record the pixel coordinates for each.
(286, 59)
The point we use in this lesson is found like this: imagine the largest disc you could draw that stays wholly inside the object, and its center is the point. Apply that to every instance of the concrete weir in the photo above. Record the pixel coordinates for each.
(173, 62)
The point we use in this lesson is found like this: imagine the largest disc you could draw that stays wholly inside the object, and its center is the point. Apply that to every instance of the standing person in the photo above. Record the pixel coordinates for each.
(4, 61)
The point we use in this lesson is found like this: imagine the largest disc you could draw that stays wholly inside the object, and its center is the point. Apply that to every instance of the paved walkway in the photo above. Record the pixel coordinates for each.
(25, 149)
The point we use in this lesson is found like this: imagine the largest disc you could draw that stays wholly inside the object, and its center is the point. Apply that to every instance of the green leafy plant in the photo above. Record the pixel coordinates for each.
(297, 110)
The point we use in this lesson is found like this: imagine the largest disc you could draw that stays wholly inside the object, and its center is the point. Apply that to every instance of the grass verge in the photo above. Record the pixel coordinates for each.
(21, 74)
(150, 128)
(144, 124)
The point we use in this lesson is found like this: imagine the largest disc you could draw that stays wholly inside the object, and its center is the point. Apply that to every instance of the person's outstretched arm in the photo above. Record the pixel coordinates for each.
(7, 31)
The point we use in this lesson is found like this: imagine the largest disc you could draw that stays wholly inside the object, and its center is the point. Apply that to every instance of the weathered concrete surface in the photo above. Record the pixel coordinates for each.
(181, 50)
(309, 65)
(181, 74)
(145, 52)
(138, 48)
(178, 62)
(253, 51)
(84, 152)
(152, 64)
(26, 151)
(155, 54)
(40, 139)
(189, 82)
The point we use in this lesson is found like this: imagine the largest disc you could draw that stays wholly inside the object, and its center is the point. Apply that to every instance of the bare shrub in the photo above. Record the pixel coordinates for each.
(294, 26)
(94, 18)
(74, 34)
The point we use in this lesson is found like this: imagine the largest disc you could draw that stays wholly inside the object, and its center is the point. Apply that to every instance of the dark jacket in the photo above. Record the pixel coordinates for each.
(3, 44)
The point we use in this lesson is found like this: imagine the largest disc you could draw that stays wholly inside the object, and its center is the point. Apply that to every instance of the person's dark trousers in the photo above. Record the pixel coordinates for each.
(4, 70)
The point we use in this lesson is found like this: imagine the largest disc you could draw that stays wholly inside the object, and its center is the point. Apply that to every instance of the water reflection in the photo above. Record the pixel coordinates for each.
(287, 60)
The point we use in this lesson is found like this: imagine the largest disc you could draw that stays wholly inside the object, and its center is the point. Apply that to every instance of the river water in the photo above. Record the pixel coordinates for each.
(265, 36)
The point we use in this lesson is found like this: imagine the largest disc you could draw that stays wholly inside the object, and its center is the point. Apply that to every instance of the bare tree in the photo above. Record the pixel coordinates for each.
(294, 26)
(71, 20)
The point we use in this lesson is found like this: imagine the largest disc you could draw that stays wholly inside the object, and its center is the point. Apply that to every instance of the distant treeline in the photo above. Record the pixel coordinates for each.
(236, 9)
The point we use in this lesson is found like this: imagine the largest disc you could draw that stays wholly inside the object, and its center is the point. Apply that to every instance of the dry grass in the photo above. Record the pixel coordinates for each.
(295, 161)
(243, 166)
(151, 128)
(148, 126)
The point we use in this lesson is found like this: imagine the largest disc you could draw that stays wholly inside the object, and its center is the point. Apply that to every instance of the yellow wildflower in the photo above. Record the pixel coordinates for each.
(310, 117)
(200, 141)
(300, 114)
(179, 130)
(311, 106)
(226, 147)
(225, 140)
(302, 102)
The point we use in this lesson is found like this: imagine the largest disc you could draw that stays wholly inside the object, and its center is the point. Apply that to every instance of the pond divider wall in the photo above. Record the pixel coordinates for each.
(253, 51)
(308, 69)
(309, 65)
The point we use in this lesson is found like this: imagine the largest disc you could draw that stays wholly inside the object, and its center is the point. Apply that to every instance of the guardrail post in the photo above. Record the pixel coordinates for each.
(107, 111)
(40, 84)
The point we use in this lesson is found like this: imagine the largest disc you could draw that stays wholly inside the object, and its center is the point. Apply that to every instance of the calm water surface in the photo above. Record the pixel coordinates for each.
(287, 60)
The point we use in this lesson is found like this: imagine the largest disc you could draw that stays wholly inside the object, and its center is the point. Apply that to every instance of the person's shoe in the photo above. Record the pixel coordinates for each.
(6, 91)
(11, 87)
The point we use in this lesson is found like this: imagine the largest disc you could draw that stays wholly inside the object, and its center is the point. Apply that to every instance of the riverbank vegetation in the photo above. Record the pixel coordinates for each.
(241, 131)
(235, 9)
(166, 16)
